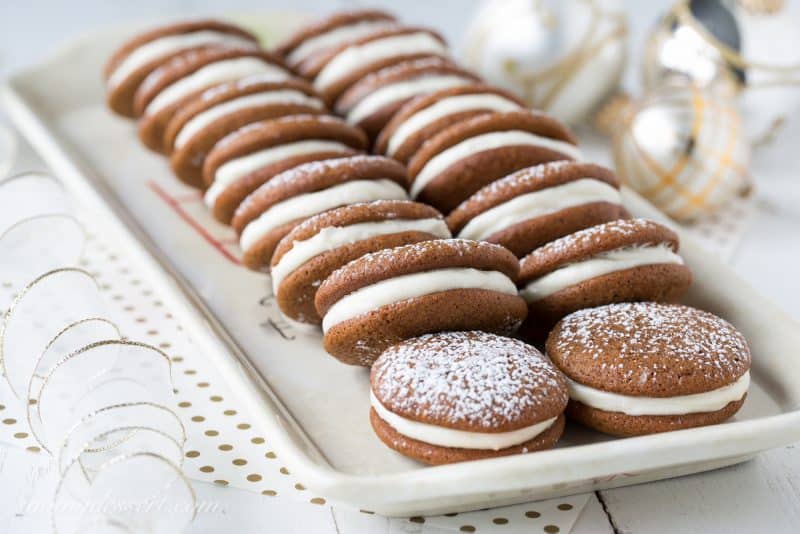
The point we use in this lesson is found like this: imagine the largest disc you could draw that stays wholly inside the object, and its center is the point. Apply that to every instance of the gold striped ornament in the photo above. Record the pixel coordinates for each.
(681, 147)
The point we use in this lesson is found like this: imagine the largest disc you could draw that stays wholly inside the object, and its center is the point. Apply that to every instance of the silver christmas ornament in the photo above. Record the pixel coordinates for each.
(562, 57)
(749, 49)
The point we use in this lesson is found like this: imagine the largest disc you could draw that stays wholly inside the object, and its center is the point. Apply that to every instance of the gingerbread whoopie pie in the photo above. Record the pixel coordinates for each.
(641, 368)
(201, 123)
(330, 32)
(456, 396)
(423, 117)
(618, 261)
(272, 210)
(252, 155)
(538, 204)
(470, 154)
(321, 244)
(372, 101)
(336, 69)
(138, 57)
(179, 80)
(386, 297)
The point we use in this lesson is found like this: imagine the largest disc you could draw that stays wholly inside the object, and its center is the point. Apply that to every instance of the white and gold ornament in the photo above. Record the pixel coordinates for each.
(749, 48)
(681, 147)
(563, 57)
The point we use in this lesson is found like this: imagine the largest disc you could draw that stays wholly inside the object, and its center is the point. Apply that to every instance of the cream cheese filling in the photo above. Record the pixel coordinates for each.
(170, 44)
(409, 286)
(232, 170)
(359, 56)
(482, 143)
(444, 107)
(212, 74)
(462, 439)
(335, 37)
(310, 204)
(538, 203)
(602, 264)
(204, 118)
(394, 92)
(334, 237)
(709, 401)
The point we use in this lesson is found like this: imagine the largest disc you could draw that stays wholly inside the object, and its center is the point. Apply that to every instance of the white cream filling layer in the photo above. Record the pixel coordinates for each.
(334, 237)
(335, 37)
(409, 286)
(359, 56)
(462, 439)
(602, 264)
(204, 118)
(312, 203)
(709, 401)
(443, 108)
(171, 44)
(482, 143)
(537, 204)
(214, 73)
(236, 168)
(400, 91)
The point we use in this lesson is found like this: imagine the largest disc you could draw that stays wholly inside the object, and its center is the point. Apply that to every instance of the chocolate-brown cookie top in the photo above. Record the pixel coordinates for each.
(135, 59)
(472, 381)
(373, 100)
(272, 210)
(247, 158)
(173, 84)
(421, 257)
(424, 116)
(331, 31)
(195, 128)
(584, 244)
(468, 155)
(336, 69)
(538, 204)
(649, 349)
(386, 297)
(315, 248)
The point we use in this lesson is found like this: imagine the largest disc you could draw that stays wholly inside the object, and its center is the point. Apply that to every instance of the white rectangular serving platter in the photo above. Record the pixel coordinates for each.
(313, 409)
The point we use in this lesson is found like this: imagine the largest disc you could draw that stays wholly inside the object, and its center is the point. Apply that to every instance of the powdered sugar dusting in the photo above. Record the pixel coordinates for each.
(596, 234)
(469, 378)
(644, 339)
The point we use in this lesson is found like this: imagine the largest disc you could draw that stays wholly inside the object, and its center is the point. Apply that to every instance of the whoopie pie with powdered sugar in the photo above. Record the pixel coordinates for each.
(538, 204)
(371, 102)
(330, 32)
(252, 155)
(315, 248)
(641, 368)
(272, 210)
(336, 69)
(138, 57)
(457, 396)
(423, 117)
(386, 297)
(470, 154)
(201, 123)
(176, 82)
(618, 261)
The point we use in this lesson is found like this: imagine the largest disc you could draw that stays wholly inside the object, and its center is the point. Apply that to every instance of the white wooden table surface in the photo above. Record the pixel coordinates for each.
(762, 495)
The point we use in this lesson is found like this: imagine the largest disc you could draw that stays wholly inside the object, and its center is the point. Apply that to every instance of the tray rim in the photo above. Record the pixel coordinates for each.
(396, 493)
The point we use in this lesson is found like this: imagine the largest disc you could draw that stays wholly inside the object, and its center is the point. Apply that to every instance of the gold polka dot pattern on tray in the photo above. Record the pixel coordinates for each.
(223, 447)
